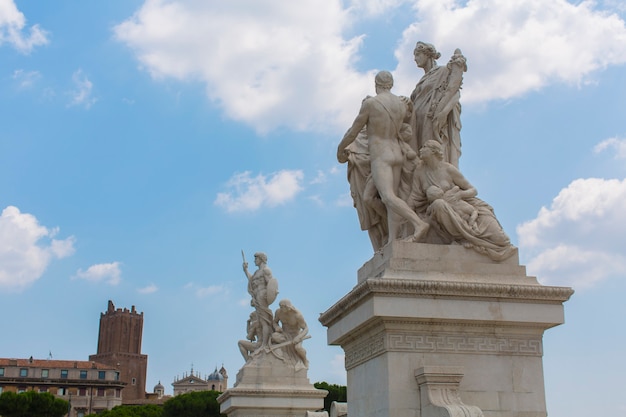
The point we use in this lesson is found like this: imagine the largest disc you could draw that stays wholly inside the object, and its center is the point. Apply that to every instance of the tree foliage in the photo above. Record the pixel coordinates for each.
(31, 403)
(148, 410)
(193, 404)
(336, 392)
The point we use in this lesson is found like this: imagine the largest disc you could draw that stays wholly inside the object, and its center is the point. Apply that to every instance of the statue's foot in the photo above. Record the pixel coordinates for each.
(420, 232)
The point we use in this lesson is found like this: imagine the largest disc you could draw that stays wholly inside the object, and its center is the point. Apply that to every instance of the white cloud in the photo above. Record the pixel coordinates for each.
(371, 8)
(202, 292)
(320, 178)
(81, 95)
(267, 63)
(109, 273)
(27, 248)
(26, 79)
(244, 302)
(345, 200)
(210, 290)
(579, 240)
(617, 144)
(273, 64)
(12, 29)
(514, 46)
(576, 267)
(251, 193)
(150, 289)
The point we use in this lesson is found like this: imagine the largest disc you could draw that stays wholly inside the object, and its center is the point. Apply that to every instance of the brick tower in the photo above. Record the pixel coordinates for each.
(119, 345)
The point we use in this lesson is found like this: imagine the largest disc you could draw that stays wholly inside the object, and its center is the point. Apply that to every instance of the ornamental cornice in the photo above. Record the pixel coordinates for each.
(448, 289)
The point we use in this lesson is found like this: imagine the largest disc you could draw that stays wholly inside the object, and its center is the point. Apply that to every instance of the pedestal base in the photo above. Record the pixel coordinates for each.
(267, 386)
(419, 306)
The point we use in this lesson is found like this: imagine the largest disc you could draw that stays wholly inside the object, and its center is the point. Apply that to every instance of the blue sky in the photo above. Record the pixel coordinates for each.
(144, 144)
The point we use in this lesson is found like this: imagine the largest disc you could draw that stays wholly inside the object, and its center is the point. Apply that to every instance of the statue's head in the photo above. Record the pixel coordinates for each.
(384, 80)
(427, 49)
(435, 148)
(261, 257)
(285, 304)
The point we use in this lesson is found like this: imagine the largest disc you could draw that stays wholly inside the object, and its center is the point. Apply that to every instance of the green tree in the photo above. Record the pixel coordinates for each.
(336, 392)
(31, 403)
(148, 410)
(193, 404)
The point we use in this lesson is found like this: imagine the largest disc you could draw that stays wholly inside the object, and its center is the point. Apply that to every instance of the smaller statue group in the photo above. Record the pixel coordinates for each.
(280, 333)
(403, 156)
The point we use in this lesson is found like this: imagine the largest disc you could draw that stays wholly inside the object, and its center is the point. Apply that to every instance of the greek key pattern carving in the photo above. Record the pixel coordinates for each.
(464, 344)
(364, 351)
(474, 344)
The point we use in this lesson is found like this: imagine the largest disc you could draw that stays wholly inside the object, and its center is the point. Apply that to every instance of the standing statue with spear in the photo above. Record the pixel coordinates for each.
(263, 289)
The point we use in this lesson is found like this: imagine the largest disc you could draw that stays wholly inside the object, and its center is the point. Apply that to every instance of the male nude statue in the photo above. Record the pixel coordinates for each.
(258, 288)
(290, 327)
(383, 115)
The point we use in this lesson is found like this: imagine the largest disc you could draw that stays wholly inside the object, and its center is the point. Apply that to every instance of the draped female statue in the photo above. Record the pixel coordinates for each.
(436, 106)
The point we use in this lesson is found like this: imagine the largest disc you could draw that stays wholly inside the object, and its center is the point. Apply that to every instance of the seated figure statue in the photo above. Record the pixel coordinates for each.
(254, 330)
(447, 213)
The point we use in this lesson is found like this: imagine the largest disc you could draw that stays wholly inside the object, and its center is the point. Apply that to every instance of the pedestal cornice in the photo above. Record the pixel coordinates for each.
(443, 289)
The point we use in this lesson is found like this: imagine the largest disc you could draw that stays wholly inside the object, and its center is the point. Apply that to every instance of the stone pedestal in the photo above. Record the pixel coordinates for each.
(440, 330)
(269, 386)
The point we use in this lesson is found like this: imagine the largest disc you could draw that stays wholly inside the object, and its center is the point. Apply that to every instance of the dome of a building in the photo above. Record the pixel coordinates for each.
(159, 387)
(215, 376)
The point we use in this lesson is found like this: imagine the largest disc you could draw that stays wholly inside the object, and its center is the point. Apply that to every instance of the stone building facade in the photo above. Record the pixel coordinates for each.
(88, 386)
(216, 381)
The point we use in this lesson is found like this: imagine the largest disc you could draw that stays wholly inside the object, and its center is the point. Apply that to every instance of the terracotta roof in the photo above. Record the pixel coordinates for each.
(53, 363)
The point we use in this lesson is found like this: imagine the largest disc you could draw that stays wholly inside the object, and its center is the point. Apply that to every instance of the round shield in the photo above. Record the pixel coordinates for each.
(272, 290)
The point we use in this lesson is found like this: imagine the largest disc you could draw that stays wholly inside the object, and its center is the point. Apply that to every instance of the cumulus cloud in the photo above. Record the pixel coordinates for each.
(618, 145)
(150, 289)
(579, 239)
(13, 29)
(109, 273)
(249, 193)
(272, 64)
(27, 248)
(515, 46)
(81, 95)
(267, 63)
